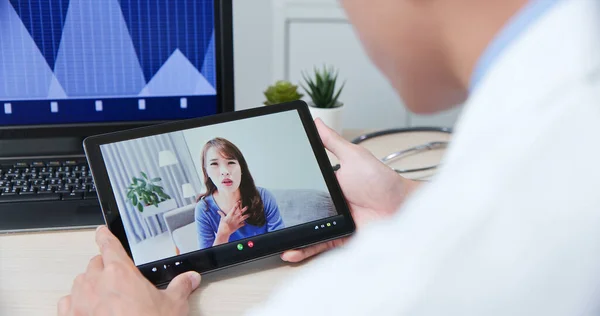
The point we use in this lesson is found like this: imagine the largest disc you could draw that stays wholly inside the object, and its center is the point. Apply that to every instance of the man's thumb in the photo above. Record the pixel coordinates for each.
(184, 284)
(331, 139)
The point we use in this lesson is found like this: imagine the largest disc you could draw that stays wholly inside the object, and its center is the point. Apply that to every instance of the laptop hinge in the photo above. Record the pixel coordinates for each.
(36, 147)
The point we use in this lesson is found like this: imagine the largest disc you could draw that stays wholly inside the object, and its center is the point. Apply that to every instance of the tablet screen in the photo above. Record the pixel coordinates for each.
(234, 183)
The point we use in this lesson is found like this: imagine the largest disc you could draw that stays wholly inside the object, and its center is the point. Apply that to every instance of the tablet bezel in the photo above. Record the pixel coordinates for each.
(226, 255)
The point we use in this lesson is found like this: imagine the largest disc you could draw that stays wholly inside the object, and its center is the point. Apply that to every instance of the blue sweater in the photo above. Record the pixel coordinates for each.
(207, 220)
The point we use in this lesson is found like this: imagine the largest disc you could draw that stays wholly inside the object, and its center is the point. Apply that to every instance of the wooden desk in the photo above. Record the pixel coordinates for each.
(36, 269)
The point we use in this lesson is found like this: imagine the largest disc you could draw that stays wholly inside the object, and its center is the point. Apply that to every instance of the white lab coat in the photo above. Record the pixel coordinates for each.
(511, 224)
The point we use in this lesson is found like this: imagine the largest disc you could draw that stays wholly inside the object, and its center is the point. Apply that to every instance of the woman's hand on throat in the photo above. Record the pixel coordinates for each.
(230, 222)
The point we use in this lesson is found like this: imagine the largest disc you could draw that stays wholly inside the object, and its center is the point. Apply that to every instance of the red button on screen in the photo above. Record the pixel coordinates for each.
(250, 244)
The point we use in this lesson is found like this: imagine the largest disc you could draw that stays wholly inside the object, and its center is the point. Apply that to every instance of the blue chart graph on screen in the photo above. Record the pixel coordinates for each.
(75, 61)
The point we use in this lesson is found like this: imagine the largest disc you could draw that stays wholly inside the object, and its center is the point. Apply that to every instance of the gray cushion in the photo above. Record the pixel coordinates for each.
(186, 238)
(300, 206)
(179, 217)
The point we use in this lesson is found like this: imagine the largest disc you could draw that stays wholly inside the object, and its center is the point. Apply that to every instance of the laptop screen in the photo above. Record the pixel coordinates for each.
(88, 61)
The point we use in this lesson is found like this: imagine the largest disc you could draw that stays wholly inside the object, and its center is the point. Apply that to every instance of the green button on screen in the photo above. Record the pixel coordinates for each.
(240, 246)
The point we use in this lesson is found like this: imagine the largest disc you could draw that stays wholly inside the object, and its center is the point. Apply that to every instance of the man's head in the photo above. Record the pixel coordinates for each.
(428, 48)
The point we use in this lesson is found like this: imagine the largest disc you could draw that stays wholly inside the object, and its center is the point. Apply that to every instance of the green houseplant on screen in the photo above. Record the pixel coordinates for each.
(143, 192)
(324, 95)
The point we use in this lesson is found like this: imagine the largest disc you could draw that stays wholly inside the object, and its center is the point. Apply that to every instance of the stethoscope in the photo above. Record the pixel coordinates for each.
(405, 152)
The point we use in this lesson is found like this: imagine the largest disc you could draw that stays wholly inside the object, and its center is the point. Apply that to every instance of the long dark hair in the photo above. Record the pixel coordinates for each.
(248, 192)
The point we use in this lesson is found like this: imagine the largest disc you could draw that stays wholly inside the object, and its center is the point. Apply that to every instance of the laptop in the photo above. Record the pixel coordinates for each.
(71, 69)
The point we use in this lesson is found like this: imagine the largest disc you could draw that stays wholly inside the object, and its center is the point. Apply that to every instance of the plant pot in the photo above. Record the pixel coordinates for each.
(332, 117)
(163, 206)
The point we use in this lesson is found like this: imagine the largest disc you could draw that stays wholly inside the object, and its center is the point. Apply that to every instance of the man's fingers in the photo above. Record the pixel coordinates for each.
(184, 284)
(64, 306)
(96, 265)
(298, 255)
(331, 139)
(110, 247)
(245, 217)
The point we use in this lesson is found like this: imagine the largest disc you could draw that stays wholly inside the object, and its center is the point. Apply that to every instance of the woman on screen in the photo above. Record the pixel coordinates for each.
(233, 207)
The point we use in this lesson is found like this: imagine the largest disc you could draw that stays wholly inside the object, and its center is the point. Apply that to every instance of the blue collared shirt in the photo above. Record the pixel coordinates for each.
(515, 27)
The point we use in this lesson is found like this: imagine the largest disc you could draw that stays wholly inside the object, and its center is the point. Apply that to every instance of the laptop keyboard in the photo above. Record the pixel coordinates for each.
(52, 180)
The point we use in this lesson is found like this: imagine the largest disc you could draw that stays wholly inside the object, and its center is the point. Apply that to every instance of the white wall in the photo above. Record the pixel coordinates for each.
(253, 46)
(371, 102)
(276, 149)
(369, 99)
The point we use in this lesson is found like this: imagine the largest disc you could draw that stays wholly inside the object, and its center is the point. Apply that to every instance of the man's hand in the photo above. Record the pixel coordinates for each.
(112, 285)
(372, 189)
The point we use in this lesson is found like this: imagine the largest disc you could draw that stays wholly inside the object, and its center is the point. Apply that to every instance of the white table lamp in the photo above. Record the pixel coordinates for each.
(188, 191)
(166, 158)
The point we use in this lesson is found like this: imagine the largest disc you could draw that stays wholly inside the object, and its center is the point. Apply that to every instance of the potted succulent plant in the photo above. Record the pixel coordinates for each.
(282, 91)
(325, 103)
(148, 197)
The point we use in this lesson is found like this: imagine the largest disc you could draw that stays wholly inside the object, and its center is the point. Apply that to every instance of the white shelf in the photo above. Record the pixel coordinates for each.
(162, 207)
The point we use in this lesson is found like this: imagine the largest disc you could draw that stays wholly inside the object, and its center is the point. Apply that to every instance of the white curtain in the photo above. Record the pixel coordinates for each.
(125, 160)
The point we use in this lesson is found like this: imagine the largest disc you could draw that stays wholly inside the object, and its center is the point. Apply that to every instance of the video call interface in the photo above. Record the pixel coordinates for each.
(77, 61)
(199, 188)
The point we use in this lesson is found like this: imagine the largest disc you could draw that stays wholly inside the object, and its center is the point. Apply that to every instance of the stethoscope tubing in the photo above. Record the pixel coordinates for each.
(418, 148)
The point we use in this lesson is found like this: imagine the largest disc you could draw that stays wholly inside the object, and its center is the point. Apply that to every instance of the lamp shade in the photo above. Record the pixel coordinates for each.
(166, 158)
(187, 190)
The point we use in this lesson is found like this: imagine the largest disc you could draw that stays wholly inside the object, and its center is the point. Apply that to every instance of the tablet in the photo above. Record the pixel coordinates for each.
(207, 193)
